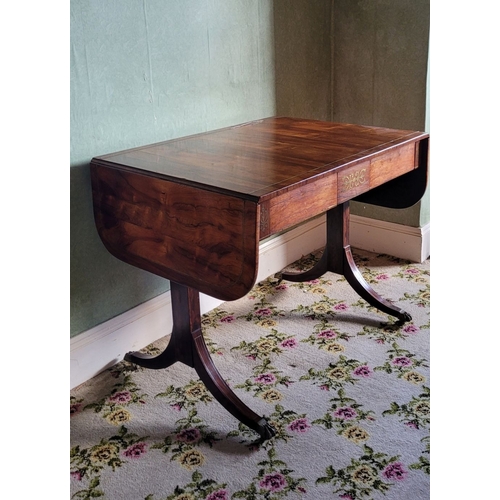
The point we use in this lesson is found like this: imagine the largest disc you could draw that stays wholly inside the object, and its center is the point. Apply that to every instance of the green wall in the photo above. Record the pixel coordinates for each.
(144, 71)
(380, 52)
(303, 43)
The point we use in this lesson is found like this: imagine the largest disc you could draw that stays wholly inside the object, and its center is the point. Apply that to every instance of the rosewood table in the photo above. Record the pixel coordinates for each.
(192, 210)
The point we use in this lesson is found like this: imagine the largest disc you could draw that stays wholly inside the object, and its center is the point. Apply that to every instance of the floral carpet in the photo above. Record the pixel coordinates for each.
(346, 389)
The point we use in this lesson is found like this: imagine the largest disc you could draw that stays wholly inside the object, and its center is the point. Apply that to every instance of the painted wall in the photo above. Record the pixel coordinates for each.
(380, 53)
(304, 62)
(144, 71)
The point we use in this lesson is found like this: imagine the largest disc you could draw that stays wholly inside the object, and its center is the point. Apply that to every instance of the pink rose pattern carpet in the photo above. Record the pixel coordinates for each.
(347, 390)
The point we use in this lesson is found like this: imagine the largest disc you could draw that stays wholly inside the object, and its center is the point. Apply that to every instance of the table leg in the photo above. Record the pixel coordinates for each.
(187, 346)
(337, 258)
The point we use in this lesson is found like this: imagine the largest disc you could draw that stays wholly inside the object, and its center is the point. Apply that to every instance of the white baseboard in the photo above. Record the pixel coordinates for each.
(105, 345)
(405, 242)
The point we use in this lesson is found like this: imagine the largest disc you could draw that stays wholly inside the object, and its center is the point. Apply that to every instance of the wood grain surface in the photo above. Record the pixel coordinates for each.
(205, 240)
(193, 209)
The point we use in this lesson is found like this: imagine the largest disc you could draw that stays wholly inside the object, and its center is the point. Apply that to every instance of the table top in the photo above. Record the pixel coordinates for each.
(194, 209)
(263, 157)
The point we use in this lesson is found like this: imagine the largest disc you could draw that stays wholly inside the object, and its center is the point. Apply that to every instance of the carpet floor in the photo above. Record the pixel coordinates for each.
(346, 389)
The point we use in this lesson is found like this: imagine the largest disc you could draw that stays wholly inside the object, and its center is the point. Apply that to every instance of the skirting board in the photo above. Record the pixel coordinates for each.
(405, 242)
(106, 344)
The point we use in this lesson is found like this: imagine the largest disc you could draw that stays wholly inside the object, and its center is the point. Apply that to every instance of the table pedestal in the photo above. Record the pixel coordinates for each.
(337, 258)
(187, 345)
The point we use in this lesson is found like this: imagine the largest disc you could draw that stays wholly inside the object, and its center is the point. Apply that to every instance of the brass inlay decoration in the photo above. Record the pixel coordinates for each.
(354, 179)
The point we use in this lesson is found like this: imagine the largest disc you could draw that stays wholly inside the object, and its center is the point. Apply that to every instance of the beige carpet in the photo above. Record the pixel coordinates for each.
(347, 391)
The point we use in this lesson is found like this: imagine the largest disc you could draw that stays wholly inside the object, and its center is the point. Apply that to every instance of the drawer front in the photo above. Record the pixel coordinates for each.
(298, 205)
(370, 174)
(392, 164)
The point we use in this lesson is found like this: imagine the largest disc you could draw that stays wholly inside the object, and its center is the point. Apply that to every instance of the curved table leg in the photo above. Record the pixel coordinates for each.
(337, 257)
(320, 268)
(187, 345)
(354, 277)
(211, 377)
(163, 360)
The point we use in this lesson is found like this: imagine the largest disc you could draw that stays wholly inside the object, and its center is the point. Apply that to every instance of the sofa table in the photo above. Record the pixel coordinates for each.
(193, 210)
